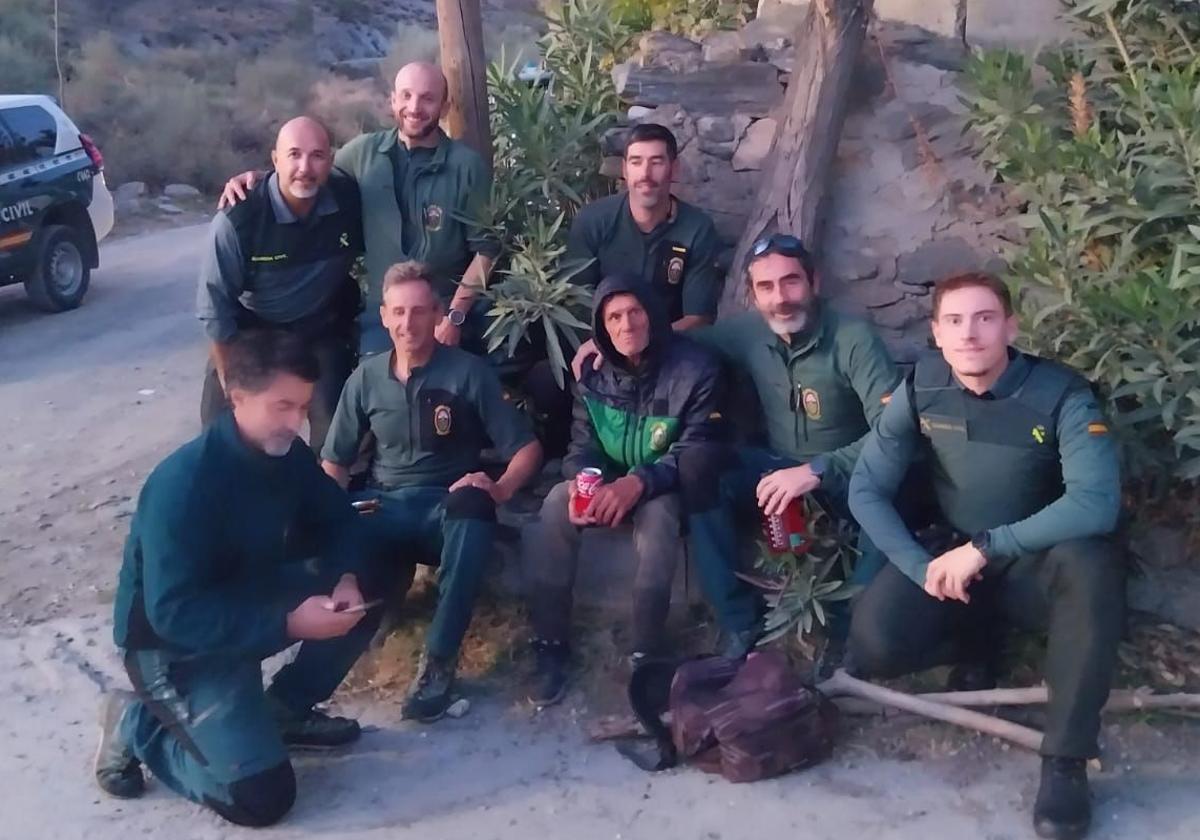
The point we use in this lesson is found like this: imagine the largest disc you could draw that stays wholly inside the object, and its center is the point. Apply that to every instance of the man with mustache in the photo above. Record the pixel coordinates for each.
(431, 409)
(281, 259)
(418, 188)
(822, 379)
(240, 547)
(1026, 480)
(670, 244)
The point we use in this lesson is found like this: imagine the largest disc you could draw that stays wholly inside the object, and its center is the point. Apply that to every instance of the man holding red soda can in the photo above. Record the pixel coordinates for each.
(652, 395)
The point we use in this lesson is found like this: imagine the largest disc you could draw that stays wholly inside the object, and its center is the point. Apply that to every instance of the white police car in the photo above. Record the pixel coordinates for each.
(54, 204)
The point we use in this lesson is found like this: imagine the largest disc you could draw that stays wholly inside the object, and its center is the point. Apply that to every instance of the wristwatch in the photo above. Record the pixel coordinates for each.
(983, 544)
(456, 317)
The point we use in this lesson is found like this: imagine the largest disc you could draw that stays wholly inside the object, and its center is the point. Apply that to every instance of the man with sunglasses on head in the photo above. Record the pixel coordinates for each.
(822, 379)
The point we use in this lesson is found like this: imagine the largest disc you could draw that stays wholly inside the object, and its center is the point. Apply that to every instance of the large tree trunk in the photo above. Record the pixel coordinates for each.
(793, 183)
(960, 21)
(460, 37)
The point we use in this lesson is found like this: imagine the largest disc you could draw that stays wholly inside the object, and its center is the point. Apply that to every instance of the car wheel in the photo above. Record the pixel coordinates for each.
(60, 278)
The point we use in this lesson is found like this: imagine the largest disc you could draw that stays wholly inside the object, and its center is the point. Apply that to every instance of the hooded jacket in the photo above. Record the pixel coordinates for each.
(636, 420)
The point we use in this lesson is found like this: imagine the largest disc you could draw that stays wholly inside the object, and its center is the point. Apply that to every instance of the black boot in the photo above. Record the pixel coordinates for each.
(550, 673)
(430, 695)
(313, 729)
(118, 772)
(1063, 810)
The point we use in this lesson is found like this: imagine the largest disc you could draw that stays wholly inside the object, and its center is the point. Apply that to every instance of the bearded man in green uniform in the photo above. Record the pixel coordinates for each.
(822, 379)
(1027, 487)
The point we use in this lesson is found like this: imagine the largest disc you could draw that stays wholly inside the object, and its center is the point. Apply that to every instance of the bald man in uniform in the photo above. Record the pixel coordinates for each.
(417, 187)
(281, 259)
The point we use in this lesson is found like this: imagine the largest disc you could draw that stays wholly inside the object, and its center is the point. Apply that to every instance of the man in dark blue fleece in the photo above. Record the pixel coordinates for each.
(240, 547)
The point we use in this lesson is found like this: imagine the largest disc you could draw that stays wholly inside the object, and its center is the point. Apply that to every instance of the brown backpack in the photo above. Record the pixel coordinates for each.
(746, 720)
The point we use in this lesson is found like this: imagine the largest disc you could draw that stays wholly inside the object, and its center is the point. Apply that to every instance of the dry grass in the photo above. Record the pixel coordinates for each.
(493, 646)
(496, 655)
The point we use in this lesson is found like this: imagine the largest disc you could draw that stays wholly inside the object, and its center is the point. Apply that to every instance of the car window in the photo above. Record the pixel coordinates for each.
(32, 132)
(8, 150)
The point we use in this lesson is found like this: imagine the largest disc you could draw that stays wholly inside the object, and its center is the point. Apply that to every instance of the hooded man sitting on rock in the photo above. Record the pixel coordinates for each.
(653, 396)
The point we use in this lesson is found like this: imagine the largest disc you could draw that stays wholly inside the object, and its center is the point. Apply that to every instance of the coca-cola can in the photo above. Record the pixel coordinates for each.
(586, 482)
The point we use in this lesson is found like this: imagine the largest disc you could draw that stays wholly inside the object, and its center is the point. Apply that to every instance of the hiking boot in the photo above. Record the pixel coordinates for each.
(550, 673)
(1063, 810)
(971, 676)
(737, 644)
(314, 729)
(118, 772)
(430, 696)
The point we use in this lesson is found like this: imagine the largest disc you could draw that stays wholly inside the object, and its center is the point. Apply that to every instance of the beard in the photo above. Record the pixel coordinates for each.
(648, 200)
(278, 444)
(303, 191)
(790, 321)
(422, 131)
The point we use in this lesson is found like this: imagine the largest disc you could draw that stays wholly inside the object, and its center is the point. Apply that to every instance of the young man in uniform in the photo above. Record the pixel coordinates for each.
(281, 259)
(655, 395)
(822, 380)
(1027, 485)
(431, 409)
(418, 187)
(240, 546)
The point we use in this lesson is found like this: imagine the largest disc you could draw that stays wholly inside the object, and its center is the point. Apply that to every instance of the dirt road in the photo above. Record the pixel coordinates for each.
(92, 399)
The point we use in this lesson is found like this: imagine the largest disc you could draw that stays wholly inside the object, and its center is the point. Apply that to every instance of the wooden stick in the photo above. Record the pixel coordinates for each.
(842, 683)
(1118, 701)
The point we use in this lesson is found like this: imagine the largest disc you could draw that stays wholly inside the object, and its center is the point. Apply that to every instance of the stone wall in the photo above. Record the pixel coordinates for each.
(989, 22)
(905, 204)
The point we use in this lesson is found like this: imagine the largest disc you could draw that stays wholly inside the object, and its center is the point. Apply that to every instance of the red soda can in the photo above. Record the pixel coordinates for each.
(586, 482)
(786, 531)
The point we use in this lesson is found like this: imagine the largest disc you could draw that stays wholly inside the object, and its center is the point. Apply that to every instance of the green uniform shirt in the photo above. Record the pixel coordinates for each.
(678, 259)
(414, 204)
(1089, 505)
(429, 430)
(222, 538)
(821, 393)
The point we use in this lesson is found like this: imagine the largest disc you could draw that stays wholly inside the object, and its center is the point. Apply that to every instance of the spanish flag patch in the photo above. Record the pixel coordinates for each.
(1097, 428)
(885, 399)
